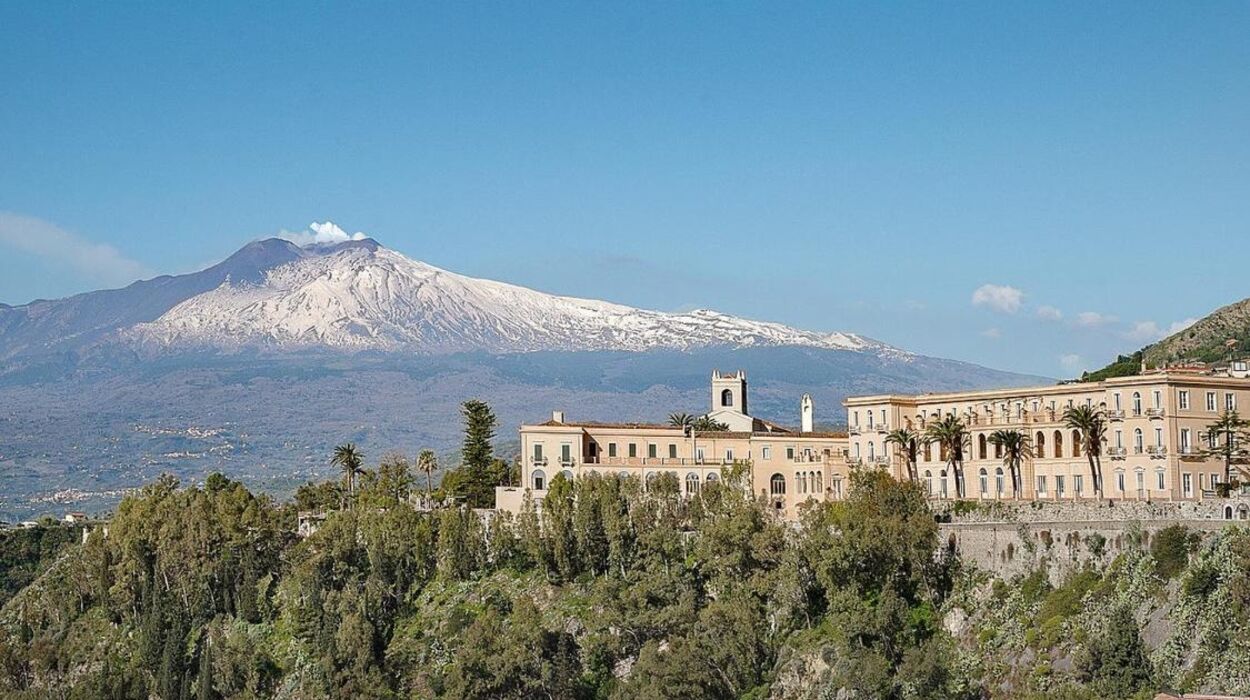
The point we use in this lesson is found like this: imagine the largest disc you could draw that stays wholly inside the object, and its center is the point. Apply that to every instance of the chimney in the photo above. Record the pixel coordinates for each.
(557, 416)
(805, 414)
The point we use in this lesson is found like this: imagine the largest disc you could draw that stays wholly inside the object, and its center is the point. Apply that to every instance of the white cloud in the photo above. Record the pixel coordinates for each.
(320, 234)
(1049, 313)
(101, 262)
(998, 297)
(992, 333)
(1093, 319)
(1149, 331)
(1072, 362)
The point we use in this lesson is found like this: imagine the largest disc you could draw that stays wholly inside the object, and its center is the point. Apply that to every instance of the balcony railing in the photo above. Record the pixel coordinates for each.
(854, 430)
(1115, 415)
(538, 461)
(1154, 412)
(1157, 451)
(1190, 452)
(854, 461)
(1115, 452)
(879, 460)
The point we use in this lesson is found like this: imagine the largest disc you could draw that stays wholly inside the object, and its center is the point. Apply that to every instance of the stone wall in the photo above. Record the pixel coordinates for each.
(1015, 538)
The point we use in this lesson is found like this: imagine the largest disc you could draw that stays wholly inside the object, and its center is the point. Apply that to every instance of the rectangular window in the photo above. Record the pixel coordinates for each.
(633, 450)
(1183, 400)
(855, 418)
(538, 452)
(1159, 480)
(1158, 398)
(1119, 481)
(1185, 439)
(766, 452)
(1078, 483)
(1041, 486)
(790, 452)
(1187, 484)
(1116, 398)
(566, 452)
(698, 455)
(672, 451)
(651, 450)
(1059, 485)
(729, 455)
(1210, 400)
(1230, 401)
(1158, 437)
(611, 449)
(1119, 439)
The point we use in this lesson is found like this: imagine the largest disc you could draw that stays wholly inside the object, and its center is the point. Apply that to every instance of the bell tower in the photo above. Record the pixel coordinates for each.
(729, 392)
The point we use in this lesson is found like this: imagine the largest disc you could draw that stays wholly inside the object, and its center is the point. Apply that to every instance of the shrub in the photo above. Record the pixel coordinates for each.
(1170, 549)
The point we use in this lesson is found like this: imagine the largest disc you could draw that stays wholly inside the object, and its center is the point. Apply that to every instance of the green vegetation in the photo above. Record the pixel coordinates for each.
(1124, 366)
(26, 553)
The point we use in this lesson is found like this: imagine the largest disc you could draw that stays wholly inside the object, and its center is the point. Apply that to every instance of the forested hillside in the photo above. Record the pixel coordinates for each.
(612, 592)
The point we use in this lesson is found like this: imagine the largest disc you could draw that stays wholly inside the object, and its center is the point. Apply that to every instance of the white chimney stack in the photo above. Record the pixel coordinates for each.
(805, 414)
(557, 416)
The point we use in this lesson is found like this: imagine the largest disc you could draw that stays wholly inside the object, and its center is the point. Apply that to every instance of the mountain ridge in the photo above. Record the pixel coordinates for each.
(1204, 340)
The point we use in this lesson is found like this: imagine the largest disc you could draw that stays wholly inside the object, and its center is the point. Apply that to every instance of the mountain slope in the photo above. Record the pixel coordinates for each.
(1206, 340)
(360, 296)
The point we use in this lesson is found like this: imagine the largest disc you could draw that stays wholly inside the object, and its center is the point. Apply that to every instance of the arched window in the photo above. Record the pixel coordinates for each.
(692, 483)
(928, 482)
(818, 482)
(1137, 403)
(540, 479)
(727, 398)
(1076, 443)
(998, 481)
(981, 446)
(622, 475)
(942, 483)
(777, 485)
(998, 451)
(872, 450)
(1058, 444)
(1228, 512)
(568, 475)
(801, 482)
(713, 476)
(985, 486)
(1138, 445)
(1039, 441)
(650, 479)
(928, 451)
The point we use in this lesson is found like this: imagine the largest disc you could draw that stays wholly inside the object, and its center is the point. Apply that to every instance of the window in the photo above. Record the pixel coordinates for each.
(855, 418)
(1119, 481)
(538, 452)
(633, 450)
(672, 450)
(1137, 441)
(1116, 398)
(1076, 443)
(1136, 403)
(1058, 444)
(1185, 443)
(872, 451)
(790, 452)
(540, 479)
(1159, 480)
(1059, 485)
(942, 483)
(692, 483)
(998, 481)
(566, 453)
(1211, 401)
(1119, 439)
(1187, 484)
(800, 482)
(651, 450)
(611, 449)
(985, 486)
(981, 446)
(727, 398)
(1041, 485)
(729, 454)
(1182, 400)
(870, 419)
(928, 482)
(766, 452)
(1230, 401)
(818, 482)
(568, 475)
(1078, 483)
(1158, 437)
(698, 456)
(1158, 398)
(777, 485)
(1141, 481)
(713, 477)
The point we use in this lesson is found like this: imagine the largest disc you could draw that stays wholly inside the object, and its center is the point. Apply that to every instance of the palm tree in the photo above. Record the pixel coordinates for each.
(908, 442)
(427, 462)
(1015, 447)
(952, 436)
(681, 420)
(1228, 439)
(708, 425)
(349, 460)
(1091, 424)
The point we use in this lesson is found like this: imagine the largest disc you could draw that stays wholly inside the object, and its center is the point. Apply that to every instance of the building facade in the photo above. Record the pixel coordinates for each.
(787, 466)
(1155, 448)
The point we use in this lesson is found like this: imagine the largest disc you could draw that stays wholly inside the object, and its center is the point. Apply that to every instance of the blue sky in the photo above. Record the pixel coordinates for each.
(863, 167)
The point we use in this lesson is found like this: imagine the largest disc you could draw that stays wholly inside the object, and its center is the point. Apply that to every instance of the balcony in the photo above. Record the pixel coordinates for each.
(538, 461)
(1154, 412)
(1115, 415)
(854, 462)
(854, 430)
(1190, 452)
(879, 460)
(1115, 452)
(568, 463)
(882, 429)
(1157, 451)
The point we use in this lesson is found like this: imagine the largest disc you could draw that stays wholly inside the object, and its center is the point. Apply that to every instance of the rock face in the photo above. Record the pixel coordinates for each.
(1205, 339)
(807, 675)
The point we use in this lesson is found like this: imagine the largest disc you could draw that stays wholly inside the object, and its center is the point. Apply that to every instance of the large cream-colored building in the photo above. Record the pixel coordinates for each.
(788, 466)
(1155, 441)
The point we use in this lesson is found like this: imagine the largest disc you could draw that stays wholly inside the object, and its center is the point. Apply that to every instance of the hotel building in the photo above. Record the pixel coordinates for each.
(1155, 446)
(788, 466)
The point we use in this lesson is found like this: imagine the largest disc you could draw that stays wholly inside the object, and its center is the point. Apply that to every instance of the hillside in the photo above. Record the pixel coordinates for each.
(1204, 341)
(611, 593)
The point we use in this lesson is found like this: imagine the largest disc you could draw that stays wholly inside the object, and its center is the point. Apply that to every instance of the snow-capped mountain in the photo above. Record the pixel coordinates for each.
(358, 295)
